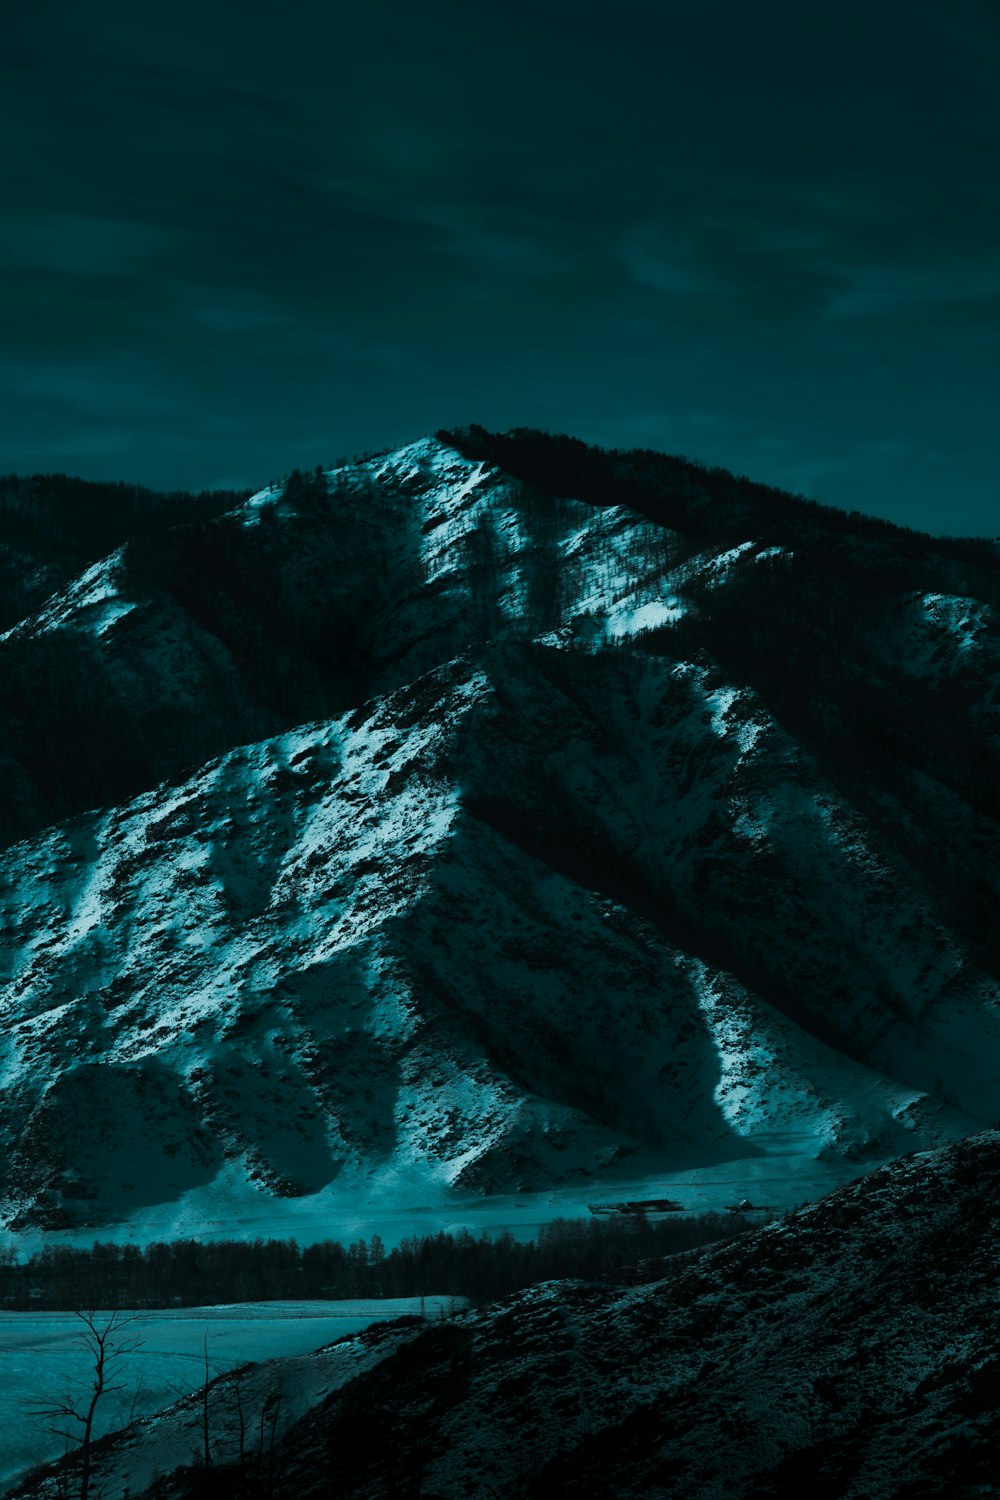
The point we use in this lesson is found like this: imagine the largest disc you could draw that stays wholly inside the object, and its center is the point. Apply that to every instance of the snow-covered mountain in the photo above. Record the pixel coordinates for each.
(493, 814)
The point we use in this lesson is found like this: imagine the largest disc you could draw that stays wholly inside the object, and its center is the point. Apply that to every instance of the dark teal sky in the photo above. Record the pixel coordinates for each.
(237, 238)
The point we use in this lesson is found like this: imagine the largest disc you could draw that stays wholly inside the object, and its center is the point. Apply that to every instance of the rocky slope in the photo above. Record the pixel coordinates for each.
(509, 836)
(848, 1350)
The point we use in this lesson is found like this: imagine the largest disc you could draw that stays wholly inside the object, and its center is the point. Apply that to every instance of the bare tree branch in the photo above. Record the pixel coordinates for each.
(72, 1413)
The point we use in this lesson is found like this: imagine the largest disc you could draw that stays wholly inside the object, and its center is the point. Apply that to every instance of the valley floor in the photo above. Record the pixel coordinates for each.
(784, 1174)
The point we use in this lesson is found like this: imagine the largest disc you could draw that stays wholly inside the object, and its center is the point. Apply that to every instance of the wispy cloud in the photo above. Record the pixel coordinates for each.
(372, 219)
(895, 290)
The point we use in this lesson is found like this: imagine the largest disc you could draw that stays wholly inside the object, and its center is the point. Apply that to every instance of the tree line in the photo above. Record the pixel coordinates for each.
(190, 1273)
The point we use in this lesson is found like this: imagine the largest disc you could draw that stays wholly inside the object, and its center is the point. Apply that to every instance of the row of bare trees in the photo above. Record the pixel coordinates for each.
(196, 1273)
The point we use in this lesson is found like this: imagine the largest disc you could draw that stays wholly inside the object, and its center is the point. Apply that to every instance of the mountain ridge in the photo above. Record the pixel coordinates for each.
(578, 865)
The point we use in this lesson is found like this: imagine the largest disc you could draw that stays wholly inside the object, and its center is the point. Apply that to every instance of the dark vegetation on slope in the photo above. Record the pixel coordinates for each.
(52, 526)
(554, 835)
(237, 634)
(193, 1273)
(847, 1352)
(704, 501)
(818, 637)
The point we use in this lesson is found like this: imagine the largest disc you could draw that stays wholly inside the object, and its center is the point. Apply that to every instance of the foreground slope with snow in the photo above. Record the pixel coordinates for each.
(510, 838)
(161, 1353)
(847, 1350)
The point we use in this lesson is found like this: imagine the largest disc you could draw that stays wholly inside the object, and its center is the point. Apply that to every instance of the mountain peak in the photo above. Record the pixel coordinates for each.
(496, 814)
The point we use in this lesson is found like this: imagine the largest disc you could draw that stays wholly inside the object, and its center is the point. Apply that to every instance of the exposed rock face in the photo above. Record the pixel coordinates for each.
(509, 836)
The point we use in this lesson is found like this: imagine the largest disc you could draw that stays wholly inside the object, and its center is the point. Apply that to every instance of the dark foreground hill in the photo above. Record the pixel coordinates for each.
(847, 1352)
(488, 815)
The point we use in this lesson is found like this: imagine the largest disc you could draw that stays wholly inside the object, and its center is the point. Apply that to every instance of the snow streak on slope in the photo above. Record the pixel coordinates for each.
(94, 602)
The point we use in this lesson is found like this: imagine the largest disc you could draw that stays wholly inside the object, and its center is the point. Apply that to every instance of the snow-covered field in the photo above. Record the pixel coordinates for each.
(42, 1354)
(784, 1174)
